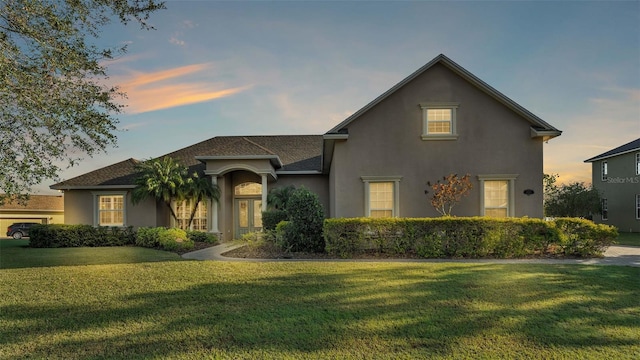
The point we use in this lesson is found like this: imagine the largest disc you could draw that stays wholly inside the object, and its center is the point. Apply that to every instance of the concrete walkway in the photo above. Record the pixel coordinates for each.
(615, 255)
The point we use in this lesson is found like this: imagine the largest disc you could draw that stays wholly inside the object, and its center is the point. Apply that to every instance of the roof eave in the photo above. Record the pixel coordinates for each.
(600, 157)
(546, 135)
(90, 187)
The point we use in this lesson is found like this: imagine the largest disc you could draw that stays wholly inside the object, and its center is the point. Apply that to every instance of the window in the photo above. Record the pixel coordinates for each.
(381, 196)
(638, 163)
(605, 210)
(111, 210)
(497, 195)
(183, 212)
(439, 121)
(248, 188)
(496, 198)
(605, 171)
(638, 206)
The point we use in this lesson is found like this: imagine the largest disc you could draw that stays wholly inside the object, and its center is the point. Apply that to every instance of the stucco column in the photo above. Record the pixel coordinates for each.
(214, 208)
(264, 192)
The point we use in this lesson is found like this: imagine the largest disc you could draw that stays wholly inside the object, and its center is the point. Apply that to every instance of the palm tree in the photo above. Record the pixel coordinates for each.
(163, 179)
(198, 189)
(277, 198)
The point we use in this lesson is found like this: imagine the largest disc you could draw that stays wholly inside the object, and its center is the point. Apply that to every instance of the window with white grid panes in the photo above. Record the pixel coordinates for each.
(381, 199)
(496, 198)
(183, 213)
(111, 210)
(439, 121)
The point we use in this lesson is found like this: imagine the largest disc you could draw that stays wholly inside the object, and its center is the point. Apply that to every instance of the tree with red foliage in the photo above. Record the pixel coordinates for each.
(449, 192)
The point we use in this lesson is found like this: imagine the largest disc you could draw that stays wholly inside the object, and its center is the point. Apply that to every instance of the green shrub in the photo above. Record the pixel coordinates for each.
(580, 237)
(148, 237)
(469, 237)
(306, 216)
(59, 235)
(271, 218)
(174, 239)
(201, 236)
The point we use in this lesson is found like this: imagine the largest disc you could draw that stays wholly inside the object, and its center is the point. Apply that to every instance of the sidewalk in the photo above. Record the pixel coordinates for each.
(615, 255)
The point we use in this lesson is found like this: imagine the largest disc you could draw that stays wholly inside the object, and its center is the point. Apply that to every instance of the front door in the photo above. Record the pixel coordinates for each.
(248, 216)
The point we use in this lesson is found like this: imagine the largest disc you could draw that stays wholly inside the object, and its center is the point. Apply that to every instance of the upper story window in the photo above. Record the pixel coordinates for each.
(605, 171)
(638, 163)
(439, 121)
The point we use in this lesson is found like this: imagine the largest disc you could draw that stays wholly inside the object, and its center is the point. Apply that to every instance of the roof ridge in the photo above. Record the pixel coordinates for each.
(258, 145)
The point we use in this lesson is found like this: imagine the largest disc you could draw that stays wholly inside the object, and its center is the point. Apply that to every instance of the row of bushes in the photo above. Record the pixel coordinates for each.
(472, 237)
(57, 235)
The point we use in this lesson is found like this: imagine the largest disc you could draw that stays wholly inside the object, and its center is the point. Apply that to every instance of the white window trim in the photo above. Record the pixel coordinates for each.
(637, 164)
(604, 171)
(511, 178)
(396, 192)
(96, 205)
(604, 216)
(637, 206)
(453, 106)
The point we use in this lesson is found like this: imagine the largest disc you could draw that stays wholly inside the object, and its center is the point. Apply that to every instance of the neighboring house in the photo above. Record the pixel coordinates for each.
(440, 120)
(44, 209)
(616, 175)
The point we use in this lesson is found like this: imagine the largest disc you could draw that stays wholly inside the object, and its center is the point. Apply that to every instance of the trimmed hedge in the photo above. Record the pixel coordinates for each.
(59, 235)
(466, 237)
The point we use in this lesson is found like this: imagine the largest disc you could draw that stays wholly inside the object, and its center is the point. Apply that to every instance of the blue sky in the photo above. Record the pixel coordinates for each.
(246, 68)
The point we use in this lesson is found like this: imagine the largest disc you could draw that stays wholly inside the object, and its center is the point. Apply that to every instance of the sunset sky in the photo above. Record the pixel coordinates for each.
(250, 68)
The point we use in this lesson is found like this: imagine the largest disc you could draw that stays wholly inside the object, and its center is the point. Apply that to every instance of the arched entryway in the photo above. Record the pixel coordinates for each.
(247, 203)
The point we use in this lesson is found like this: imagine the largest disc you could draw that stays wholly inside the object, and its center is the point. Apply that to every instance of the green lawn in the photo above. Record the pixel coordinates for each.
(632, 239)
(16, 254)
(316, 310)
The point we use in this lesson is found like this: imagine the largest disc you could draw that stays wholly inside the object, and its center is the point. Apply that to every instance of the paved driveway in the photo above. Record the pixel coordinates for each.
(615, 255)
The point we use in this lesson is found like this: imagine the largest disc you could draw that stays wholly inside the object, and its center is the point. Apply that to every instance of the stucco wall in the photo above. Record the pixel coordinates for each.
(386, 141)
(620, 190)
(80, 208)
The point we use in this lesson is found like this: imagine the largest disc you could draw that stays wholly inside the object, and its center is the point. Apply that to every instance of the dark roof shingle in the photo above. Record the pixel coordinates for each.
(297, 153)
(631, 146)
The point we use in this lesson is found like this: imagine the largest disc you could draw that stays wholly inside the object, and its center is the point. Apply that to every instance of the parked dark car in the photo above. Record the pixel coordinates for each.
(19, 230)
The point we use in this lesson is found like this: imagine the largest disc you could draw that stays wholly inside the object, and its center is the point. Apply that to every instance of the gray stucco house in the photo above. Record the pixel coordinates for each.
(439, 120)
(616, 175)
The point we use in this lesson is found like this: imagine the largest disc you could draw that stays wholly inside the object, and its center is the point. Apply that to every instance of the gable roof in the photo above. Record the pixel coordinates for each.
(623, 149)
(539, 126)
(293, 153)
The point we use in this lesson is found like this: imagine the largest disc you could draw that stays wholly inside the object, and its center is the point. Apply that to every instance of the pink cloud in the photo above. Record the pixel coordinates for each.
(150, 91)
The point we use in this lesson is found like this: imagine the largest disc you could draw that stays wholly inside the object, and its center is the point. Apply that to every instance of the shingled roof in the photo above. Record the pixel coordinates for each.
(623, 149)
(296, 152)
(36, 203)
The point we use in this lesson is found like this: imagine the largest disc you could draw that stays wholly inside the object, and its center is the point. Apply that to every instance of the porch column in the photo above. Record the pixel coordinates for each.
(264, 192)
(214, 208)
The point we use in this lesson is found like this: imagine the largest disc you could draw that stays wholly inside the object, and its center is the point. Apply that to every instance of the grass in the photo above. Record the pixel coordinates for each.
(16, 254)
(631, 239)
(316, 310)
